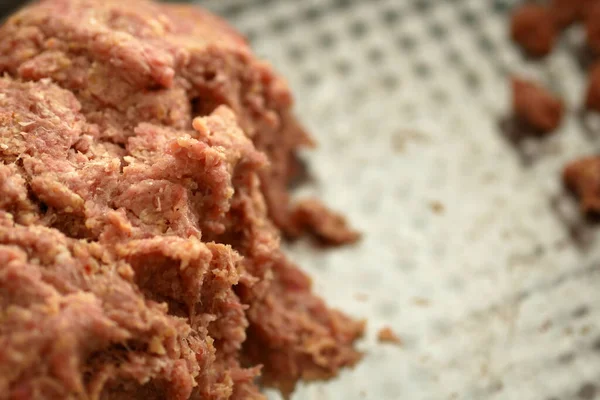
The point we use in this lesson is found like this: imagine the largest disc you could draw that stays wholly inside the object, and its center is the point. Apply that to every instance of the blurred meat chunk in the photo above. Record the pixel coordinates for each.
(583, 178)
(536, 106)
(533, 28)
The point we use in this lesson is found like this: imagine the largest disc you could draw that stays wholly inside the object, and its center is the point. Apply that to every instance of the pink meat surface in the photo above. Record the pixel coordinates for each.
(144, 159)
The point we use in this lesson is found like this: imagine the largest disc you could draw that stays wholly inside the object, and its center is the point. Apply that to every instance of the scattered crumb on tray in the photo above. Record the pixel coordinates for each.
(533, 30)
(582, 177)
(387, 335)
(536, 106)
(535, 27)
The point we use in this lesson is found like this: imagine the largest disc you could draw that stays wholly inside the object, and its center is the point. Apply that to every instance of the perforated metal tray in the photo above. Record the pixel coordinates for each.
(472, 252)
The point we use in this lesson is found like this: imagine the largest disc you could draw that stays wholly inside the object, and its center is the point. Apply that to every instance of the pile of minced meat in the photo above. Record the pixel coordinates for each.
(145, 156)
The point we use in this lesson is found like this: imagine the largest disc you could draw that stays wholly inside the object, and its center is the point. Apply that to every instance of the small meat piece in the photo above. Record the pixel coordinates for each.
(327, 226)
(532, 27)
(592, 27)
(387, 335)
(592, 100)
(536, 106)
(583, 178)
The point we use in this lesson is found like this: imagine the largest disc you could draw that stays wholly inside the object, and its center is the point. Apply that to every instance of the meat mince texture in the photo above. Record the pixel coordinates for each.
(144, 158)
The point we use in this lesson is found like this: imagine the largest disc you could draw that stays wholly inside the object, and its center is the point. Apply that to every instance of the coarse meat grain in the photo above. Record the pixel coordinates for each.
(129, 63)
(144, 158)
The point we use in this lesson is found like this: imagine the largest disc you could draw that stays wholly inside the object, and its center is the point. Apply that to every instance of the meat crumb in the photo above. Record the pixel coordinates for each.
(536, 106)
(387, 335)
(328, 227)
(583, 178)
(532, 27)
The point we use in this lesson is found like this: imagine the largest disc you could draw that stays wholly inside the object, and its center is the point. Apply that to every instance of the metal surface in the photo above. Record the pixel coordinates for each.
(472, 254)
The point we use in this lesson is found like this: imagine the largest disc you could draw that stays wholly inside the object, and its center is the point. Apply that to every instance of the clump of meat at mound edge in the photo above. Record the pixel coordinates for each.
(144, 157)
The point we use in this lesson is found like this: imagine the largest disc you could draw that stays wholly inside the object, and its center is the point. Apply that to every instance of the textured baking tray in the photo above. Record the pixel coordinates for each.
(472, 253)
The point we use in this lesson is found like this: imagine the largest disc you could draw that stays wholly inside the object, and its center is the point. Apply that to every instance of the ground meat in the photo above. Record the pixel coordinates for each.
(143, 150)
(157, 64)
(583, 178)
(536, 106)
(329, 228)
(533, 28)
(74, 323)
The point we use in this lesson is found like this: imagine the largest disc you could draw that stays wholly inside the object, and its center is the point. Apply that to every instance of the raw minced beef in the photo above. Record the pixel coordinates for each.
(144, 158)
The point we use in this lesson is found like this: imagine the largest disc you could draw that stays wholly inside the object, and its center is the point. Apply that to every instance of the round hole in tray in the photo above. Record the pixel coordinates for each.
(390, 16)
(342, 4)
(486, 44)
(389, 82)
(423, 5)
(469, 18)
(296, 52)
(454, 57)
(280, 25)
(375, 55)
(311, 79)
(501, 6)
(422, 70)
(438, 31)
(407, 43)
(311, 14)
(327, 40)
(343, 67)
(358, 29)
